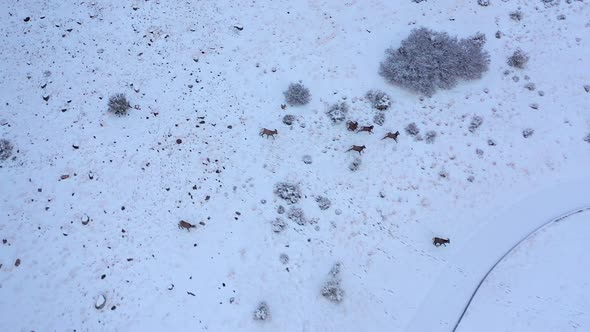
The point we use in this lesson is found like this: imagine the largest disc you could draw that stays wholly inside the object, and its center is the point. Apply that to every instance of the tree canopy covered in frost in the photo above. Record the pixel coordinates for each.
(428, 60)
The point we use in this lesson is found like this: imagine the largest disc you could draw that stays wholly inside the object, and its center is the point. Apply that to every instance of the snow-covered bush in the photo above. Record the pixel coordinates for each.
(355, 164)
(412, 129)
(262, 312)
(306, 159)
(284, 258)
(323, 202)
(296, 214)
(430, 136)
(528, 132)
(379, 119)
(378, 99)
(281, 209)
(278, 225)
(428, 60)
(518, 59)
(5, 149)
(587, 138)
(289, 119)
(337, 112)
(288, 191)
(297, 94)
(516, 15)
(332, 289)
(119, 104)
(476, 121)
(483, 3)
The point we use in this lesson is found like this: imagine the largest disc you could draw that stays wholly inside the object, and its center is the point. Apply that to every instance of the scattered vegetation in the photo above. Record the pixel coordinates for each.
(288, 191)
(428, 60)
(297, 94)
(528, 132)
(5, 149)
(323, 202)
(332, 289)
(262, 312)
(296, 214)
(306, 159)
(430, 136)
(118, 104)
(518, 59)
(289, 119)
(355, 164)
(483, 3)
(475, 123)
(587, 138)
(378, 99)
(338, 112)
(516, 15)
(412, 129)
(379, 119)
(278, 225)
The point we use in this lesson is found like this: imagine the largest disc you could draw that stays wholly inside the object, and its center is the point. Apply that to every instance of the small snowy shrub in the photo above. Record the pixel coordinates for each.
(379, 119)
(355, 164)
(332, 289)
(297, 94)
(262, 312)
(428, 60)
(284, 258)
(281, 209)
(516, 15)
(518, 59)
(288, 191)
(476, 121)
(119, 104)
(5, 149)
(296, 214)
(323, 202)
(430, 136)
(337, 112)
(412, 129)
(288, 119)
(483, 3)
(306, 159)
(378, 99)
(528, 132)
(278, 225)
(587, 138)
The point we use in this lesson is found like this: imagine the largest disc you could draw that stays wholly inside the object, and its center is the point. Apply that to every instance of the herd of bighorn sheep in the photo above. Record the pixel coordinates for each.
(351, 126)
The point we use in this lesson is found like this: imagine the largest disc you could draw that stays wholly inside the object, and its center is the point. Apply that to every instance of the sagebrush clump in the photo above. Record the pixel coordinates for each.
(412, 129)
(5, 149)
(278, 225)
(379, 119)
(355, 164)
(288, 191)
(475, 123)
(518, 59)
(323, 202)
(430, 136)
(378, 99)
(289, 119)
(262, 312)
(428, 60)
(338, 112)
(296, 214)
(587, 138)
(297, 94)
(332, 289)
(119, 104)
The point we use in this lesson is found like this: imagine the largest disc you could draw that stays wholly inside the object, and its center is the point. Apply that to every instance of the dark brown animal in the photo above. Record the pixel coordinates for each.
(183, 224)
(357, 148)
(352, 125)
(268, 132)
(392, 135)
(437, 241)
(368, 129)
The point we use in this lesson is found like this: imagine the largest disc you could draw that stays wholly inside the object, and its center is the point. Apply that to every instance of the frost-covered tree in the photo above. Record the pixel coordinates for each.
(297, 94)
(119, 104)
(428, 60)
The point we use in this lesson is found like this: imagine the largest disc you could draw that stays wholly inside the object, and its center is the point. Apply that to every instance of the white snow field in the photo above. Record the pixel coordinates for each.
(90, 202)
(542, 286)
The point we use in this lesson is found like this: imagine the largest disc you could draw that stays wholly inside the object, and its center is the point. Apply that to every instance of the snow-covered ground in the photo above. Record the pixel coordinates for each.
(542, 286)
(204, 77)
